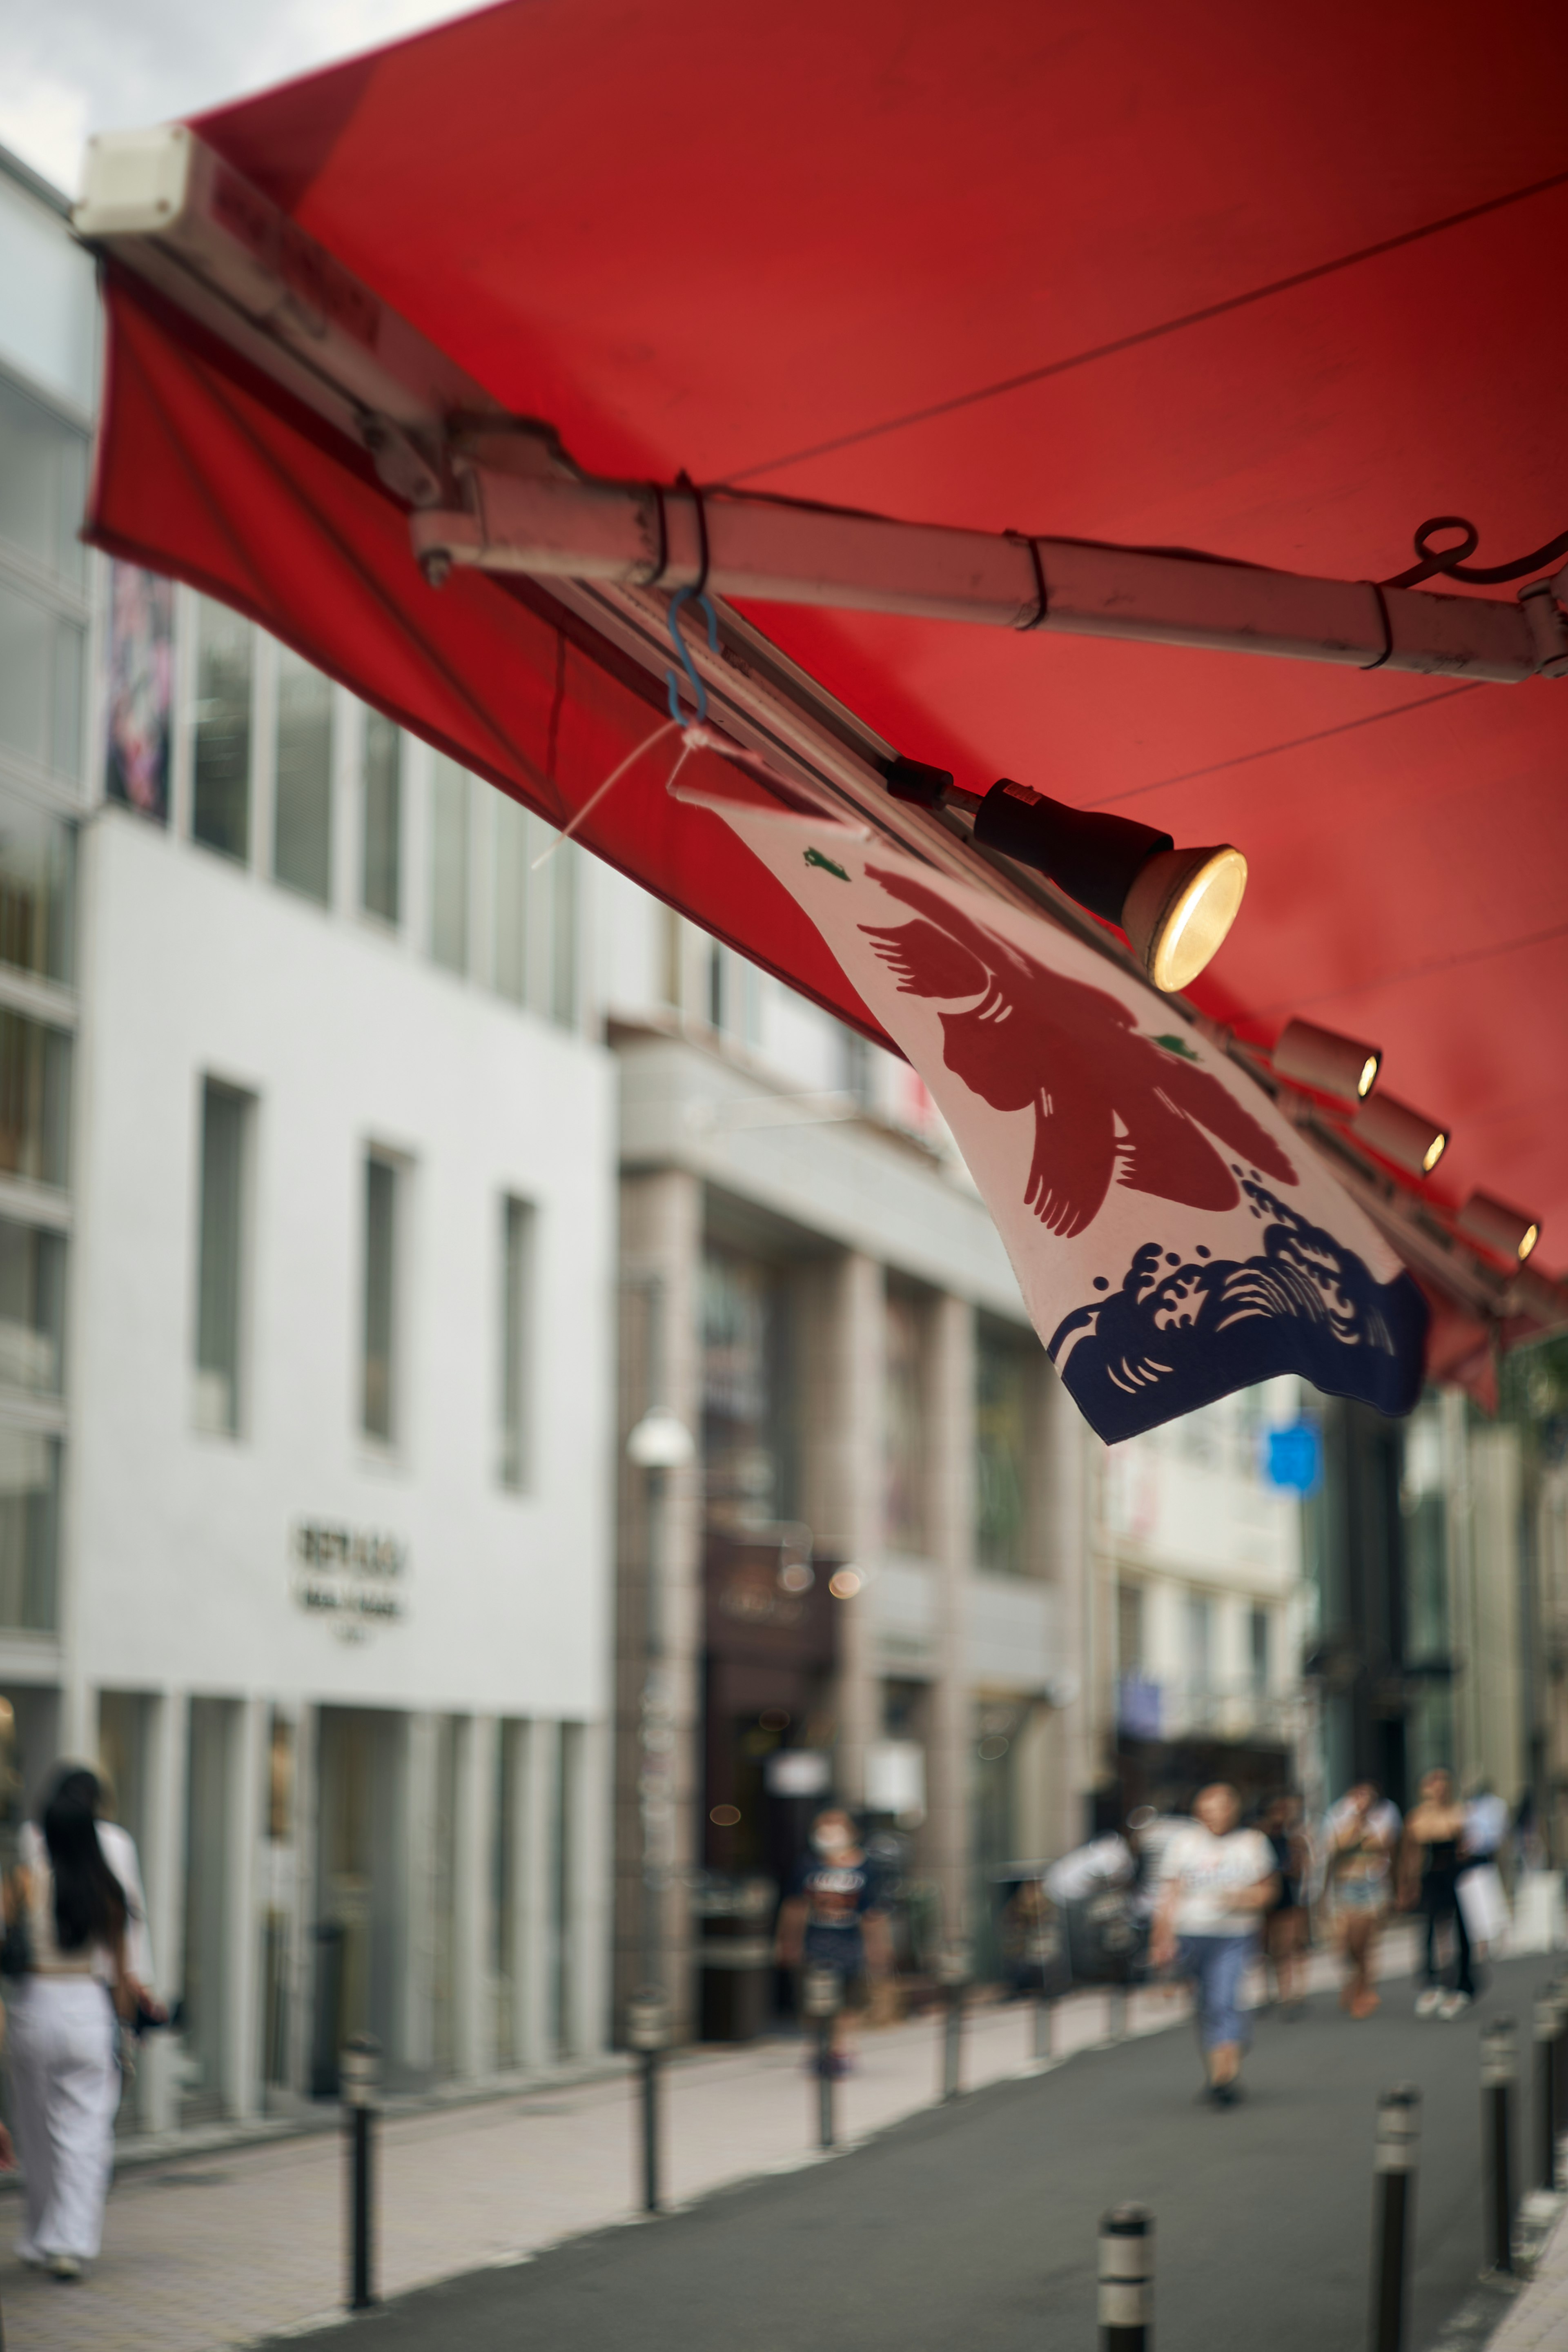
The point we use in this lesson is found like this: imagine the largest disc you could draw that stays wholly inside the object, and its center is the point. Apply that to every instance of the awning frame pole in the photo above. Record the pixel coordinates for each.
(498, 493)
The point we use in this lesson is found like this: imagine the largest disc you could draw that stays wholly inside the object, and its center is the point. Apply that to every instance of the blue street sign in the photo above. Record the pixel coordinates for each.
(1295, 1457)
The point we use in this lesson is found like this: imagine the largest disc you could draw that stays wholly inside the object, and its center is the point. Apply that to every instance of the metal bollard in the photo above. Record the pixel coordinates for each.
(359, 2070)
(1548, 2027)
(953, 1974)
(821, 1999)
(1500, 2071)
(1393, 2168)
(1045, 2027)
(1558, 1989)
(648, 2032)
(1127, 2279)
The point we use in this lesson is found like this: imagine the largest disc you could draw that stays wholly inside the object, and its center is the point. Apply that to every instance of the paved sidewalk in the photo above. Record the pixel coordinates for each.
(219, 2246)
(1538, 2322)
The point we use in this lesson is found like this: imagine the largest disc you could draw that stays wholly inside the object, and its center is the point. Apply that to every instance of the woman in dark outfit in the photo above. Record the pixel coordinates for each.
(1430, 1876)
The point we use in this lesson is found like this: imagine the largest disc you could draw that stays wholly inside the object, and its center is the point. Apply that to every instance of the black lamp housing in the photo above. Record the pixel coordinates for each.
(1095, 858)
(1174, 905)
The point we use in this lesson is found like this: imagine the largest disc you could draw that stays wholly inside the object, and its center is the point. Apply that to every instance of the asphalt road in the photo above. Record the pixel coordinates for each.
(974, 2226)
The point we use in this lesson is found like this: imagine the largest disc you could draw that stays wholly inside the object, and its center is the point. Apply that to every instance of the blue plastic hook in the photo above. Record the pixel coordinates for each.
(684, 658)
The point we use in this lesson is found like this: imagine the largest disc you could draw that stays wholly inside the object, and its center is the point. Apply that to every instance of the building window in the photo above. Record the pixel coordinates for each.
(41, 658)
(1257, 1648)
(905, 1457)
(378, 1397)
(1200, 1642)
(303, 802)
(34, 1100)
(1003, 1375)
(1129, 1629)
(449, 865)
(220, 813)
(561, 876)
(511, 900)
(139, 697)
(749, 1393)
(37, 861)
(381, 860)
(29, 1529)
(226, 1116)
(517, 1260)
(43, 484)
(32, 1308)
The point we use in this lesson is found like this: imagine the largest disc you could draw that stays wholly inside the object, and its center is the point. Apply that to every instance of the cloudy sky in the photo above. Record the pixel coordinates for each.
(69, 68)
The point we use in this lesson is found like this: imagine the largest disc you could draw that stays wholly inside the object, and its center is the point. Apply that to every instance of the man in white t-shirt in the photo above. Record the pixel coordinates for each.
(1216, 1883)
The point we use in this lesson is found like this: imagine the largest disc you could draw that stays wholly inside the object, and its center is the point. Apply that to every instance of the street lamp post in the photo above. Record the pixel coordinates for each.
(659, 1443)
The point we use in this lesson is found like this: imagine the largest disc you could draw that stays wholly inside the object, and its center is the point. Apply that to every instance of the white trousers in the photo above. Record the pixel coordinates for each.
(66, 2086)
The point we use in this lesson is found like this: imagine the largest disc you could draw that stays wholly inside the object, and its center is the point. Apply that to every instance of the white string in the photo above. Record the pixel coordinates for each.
(592, 802)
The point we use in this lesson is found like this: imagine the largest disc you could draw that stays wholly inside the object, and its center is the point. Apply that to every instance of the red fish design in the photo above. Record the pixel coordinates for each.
(1110, 1105)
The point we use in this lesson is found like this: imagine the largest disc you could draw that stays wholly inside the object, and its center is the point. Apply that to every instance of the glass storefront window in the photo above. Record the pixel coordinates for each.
(29, 1529)
(37, 859)
(1003, 1374)
(34, 1099)
(43, 484)
(32, 1307)
(747, 1418)
(220, 813)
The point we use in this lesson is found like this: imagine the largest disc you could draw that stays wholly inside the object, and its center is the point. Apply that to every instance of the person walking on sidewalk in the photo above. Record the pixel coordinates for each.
(1429, 1865)
(1216, 1882)
(66, 1918)
(1285, 1921)
(832, 1920)
(1362, 1833)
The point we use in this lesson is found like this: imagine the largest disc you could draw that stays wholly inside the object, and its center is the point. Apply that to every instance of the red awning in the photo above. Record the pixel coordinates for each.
(1202, 279)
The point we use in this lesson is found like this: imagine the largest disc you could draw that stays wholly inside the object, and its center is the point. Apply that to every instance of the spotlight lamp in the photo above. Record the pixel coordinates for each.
(1174, 905)
(1508, 1233)
(1408, 1138)
(1327, 1063)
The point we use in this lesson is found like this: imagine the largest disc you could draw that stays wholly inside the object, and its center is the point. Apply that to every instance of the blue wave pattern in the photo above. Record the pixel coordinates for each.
(1178, 1333)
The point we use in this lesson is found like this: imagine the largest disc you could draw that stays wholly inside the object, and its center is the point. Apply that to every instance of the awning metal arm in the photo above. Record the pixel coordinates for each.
(497, 493)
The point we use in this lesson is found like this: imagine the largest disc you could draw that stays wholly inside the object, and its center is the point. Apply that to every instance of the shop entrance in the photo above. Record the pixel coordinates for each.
(359, 1777)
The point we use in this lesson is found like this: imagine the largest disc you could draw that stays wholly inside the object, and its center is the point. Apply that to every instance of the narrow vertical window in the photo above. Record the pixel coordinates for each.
(381, 865)
(220, 814)
(517, 1253)
(220, 1259)
(562, 873)
(1257, 1630)
(512, 900)
(450, 866)
(302, 808)
(378, 1398)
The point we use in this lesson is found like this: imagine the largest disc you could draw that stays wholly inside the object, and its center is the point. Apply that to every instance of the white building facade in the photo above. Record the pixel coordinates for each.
(307, 1311)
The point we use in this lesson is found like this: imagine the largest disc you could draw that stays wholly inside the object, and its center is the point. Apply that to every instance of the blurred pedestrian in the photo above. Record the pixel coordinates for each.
(1285, 1921)
(78, 1783)
(1361, 1834)
(832, 1920)
(1429, 1878)
(66, 1916)
(1216, 1883)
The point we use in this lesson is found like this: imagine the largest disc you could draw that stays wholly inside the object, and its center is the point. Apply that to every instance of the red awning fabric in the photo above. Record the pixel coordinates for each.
(1205, 278)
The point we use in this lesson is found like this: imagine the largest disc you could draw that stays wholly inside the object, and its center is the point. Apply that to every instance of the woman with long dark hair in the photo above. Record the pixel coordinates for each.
(66, 1915)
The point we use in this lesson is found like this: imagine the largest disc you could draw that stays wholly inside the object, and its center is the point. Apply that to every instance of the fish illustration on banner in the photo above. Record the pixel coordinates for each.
(1173, 1239)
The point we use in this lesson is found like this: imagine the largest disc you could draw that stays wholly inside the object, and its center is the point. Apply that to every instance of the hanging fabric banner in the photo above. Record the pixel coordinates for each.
(1173, 1238)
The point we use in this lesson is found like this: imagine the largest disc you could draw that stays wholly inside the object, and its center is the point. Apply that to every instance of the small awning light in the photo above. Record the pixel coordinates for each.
(1325, 1062)
(1174, 905)
(1408, 1138)
(1508, 1233)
